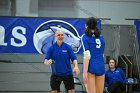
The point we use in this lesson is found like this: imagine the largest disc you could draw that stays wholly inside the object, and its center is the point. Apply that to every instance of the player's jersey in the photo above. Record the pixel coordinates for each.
(96, 48)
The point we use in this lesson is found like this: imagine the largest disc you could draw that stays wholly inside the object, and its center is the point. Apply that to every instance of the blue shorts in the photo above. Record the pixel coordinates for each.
(96, 68)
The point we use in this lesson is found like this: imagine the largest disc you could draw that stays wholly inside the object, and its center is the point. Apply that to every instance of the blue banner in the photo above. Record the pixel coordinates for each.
(137, 25)
(35, 35)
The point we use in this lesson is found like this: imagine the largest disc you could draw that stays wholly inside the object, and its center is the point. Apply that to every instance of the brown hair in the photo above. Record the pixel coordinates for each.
(92, 25)
(114, 61)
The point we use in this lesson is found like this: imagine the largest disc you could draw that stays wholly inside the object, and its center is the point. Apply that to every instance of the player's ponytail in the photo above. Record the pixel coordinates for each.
(96, 32)
(92, 28)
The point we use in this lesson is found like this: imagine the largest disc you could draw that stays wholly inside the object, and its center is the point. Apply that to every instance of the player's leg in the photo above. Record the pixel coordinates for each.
(99, 83)
(90, 86)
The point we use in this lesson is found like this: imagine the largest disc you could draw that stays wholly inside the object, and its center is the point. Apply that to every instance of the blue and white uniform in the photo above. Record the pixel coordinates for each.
(62, 57)
(96, 48)
(114, 76)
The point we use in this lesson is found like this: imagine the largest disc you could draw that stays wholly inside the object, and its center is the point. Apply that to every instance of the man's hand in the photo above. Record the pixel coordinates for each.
(76, 70)
(48, 62)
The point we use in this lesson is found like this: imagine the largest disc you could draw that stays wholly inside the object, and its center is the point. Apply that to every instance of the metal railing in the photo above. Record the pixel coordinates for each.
(126, 66)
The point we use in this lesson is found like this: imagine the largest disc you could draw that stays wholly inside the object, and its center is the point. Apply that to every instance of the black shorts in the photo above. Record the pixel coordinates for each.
(116, 87)
(56, 81)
